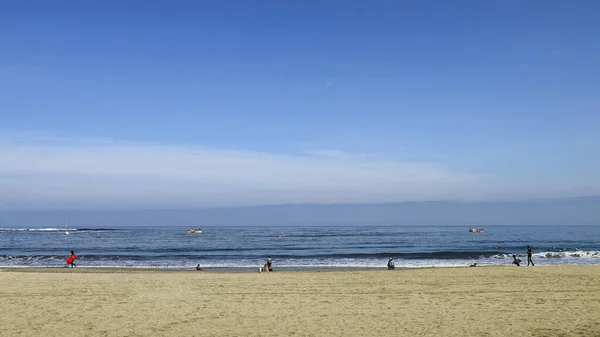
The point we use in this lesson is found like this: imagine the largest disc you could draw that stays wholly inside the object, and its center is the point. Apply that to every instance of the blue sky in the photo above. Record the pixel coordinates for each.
(198, 103)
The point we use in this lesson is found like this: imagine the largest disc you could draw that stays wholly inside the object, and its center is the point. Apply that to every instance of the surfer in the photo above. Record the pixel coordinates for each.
(529, 253)
(390, 264)
(71, 259)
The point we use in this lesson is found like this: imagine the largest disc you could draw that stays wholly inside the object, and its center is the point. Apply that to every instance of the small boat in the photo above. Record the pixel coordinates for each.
(198, 230)
(476, 230)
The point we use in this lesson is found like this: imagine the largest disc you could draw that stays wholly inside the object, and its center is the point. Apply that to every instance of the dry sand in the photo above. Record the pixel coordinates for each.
(481, 301)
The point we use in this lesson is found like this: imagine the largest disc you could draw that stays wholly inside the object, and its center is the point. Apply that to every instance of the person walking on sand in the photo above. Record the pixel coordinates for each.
(529, 253)
(269, 262)
(71, 259)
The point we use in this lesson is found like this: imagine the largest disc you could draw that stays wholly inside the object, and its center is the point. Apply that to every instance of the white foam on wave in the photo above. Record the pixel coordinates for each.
(571, 254)
(593, 254)
(35, 229)
(540, 258)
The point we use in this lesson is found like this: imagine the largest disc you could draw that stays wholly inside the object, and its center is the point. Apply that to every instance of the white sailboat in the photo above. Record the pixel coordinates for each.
(66, 227)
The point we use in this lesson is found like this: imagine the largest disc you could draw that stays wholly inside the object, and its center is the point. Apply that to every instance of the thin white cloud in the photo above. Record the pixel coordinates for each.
(50, 172)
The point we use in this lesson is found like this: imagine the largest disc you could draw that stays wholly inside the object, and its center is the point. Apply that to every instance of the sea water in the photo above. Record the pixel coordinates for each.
(246, 248)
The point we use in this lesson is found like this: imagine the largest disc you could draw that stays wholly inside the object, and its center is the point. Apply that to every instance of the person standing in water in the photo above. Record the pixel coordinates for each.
(529, 253)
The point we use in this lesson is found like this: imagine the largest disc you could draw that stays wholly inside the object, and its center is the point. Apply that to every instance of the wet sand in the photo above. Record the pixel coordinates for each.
(481, 301)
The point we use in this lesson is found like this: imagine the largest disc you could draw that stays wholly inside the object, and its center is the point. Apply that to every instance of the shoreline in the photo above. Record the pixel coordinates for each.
(84, 269)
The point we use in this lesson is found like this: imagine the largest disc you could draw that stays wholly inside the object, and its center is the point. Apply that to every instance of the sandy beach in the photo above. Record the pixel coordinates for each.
(481, 301)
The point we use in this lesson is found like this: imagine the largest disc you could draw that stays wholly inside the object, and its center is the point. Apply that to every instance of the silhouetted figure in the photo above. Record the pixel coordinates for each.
(390, 264)
(268, 264)
(198, 267)
(71, 259)
(516, 260)
(529, 253)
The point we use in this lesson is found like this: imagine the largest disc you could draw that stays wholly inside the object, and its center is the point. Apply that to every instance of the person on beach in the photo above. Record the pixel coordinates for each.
(198, 267)
(71, 259)
(529, 253)
(268, 264)
(390, 264)
(516, 260)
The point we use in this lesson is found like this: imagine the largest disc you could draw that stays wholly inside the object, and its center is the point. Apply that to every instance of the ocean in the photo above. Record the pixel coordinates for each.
(296, 248)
